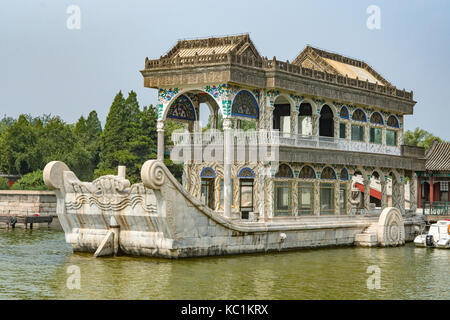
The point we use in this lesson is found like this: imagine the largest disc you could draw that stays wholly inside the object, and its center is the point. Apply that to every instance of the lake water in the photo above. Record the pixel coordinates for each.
(34, 264)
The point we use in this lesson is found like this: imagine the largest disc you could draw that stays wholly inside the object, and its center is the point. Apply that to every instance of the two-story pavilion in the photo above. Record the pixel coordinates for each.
(334, 117)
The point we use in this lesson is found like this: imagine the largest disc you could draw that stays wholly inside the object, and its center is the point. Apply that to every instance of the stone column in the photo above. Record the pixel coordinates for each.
(262, 185)
(383, 183)
(402, 194)
(316, 198)
(270, 196)
(348, 189)
(336, 127)
(295, 198)
(228, 156)
(412, 192)
(348, 129)
(366, 193)
(383, 136)
(269, 116)
(337, 203)
(315, 124)
(294, 121)
(160, 131)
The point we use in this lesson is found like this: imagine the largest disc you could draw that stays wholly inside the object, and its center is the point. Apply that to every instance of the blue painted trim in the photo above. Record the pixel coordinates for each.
(348, 113)
(246, 168)
(206, 168)
(397, 123)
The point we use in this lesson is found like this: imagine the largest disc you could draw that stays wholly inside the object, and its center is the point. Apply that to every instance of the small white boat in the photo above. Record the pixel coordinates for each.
(437, 237)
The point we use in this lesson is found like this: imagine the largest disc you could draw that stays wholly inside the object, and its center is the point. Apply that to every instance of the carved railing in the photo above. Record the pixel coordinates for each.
(274, 64)
(275, 137)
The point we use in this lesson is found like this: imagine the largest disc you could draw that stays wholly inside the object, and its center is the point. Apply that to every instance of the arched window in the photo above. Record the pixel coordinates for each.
(392, 122)
(358, 130)
(245, 105)
(344, 174)
(359, 115)
(327, 202)
(181, 109)
(328, 173)
(375, 134)
(284, 171)
(305, 119)
(391, 135)
(208, 172)
(306, 192)
(246, 173)
(207, 186)
(283, 192)
(344, 113)
(307, 173)
(246, 179)
(343, 192)
(326, 122)
(376, 118)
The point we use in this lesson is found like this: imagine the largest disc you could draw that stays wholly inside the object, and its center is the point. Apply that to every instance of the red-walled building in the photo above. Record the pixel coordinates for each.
(434, 182)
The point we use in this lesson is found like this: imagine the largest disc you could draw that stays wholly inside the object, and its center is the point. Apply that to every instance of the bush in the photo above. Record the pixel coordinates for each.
(31, 181)
(4, 185)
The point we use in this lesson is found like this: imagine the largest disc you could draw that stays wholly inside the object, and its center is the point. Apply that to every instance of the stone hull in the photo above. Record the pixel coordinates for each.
(159, 218)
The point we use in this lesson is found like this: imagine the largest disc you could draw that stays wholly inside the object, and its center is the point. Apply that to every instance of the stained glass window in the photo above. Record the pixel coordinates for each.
(284, 171)
(392, 122)
(245, 105)
(181, 109)
(376, 118)
(328, 173)
(359, 115)
(307, 173)
(344, 113)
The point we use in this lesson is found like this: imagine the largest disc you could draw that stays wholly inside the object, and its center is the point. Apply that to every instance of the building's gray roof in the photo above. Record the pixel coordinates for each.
(438, 157)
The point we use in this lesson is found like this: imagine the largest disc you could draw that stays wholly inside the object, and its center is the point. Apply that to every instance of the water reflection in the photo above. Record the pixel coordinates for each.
(34, 266)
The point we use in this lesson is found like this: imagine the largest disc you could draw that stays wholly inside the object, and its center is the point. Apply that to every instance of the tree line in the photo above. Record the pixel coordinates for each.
(128, 138)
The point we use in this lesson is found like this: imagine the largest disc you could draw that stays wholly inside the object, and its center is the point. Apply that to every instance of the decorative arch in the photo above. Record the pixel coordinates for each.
(245, 105)
(343, 113)
(392, 122)
(284, 171)
(307, 172)
(344, 174)
(328, 173)
(181, 109)
(305, 109)
(246, 173)
(359, 115)
(208, 172)
(326, 121)
(376, 118)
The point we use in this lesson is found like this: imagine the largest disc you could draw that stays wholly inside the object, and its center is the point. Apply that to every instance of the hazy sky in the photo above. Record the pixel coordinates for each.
(48, 68)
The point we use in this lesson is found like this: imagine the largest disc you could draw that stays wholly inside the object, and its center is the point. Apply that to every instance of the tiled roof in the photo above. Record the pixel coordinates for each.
(338, 64)
(438, 157)
(209, 46)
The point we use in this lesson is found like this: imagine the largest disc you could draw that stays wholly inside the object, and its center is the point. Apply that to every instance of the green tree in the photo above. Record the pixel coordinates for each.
(19, 151)
(124, 141)
(419, 138)
(31, 181)
(4, 185)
